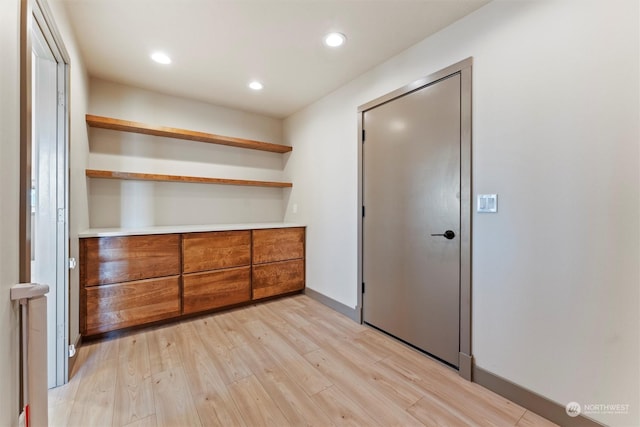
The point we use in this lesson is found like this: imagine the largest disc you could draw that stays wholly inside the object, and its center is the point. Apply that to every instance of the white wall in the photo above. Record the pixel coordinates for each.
(556, 134)
(9, 207)
(115, 203)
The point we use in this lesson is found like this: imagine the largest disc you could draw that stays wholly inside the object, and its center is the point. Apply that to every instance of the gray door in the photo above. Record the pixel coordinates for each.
(411, 193)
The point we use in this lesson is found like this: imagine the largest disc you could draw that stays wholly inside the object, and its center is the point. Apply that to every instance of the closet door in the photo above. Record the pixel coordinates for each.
(411, 227)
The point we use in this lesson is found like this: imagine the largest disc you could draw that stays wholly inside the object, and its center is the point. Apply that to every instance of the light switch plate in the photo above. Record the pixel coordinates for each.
(487, 203)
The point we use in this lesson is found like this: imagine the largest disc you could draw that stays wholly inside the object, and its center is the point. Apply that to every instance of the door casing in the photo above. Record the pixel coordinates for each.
(37, 12)
(464, 68)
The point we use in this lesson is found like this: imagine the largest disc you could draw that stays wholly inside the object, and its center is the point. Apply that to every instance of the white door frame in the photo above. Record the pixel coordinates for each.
(463, 67)
(37, 12)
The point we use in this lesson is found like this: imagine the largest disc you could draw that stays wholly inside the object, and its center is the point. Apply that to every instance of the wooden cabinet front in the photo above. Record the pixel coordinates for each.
(215, 289)
(134, 280)
(216, 250)
(216, 270)
(123, 259)
(278, 244)
(278, 261)
(117, 306)
(277, 278)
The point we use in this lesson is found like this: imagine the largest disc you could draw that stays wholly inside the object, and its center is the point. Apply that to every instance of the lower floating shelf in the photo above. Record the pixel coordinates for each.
(92, 173)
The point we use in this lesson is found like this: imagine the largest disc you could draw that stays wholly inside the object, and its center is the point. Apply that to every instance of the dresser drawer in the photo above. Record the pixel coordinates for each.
(277, 278)
(117, 306)
(214, 289)
(278, 244)
(216, 250)
(123, 259)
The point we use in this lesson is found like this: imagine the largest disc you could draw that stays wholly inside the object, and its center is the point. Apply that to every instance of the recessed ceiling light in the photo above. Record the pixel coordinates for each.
(255, 85)
(334, 39)
(161, 58)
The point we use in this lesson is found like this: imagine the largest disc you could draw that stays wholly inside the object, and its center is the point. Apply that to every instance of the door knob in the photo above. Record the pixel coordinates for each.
(447, 234)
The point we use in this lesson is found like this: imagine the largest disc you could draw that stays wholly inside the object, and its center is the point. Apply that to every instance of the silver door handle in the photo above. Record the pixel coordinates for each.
(449, 234)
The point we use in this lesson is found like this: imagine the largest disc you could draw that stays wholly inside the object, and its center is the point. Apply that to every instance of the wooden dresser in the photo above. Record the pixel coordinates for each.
(128, 281)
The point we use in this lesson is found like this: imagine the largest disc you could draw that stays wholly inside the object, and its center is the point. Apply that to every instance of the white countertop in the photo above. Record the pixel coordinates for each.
(171, 229)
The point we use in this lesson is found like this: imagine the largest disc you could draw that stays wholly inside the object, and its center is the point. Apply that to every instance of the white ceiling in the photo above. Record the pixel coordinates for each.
(218, 46)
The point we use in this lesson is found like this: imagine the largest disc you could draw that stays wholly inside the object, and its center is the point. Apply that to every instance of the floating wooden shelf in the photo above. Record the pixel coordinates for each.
(92, 173)
(135, 127)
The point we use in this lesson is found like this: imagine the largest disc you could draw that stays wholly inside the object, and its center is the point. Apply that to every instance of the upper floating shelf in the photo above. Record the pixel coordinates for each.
(92, 173)
(135, 127)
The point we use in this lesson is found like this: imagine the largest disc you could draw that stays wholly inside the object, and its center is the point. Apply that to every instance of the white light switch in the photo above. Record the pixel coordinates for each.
(487, 203)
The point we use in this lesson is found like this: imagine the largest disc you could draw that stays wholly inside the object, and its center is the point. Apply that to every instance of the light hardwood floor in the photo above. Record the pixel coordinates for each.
(285, 362)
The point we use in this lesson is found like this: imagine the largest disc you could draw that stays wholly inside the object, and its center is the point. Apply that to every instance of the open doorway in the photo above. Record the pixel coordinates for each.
(44, 170)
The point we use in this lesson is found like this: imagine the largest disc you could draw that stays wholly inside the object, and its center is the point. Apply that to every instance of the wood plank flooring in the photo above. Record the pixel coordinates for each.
(287, 362)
